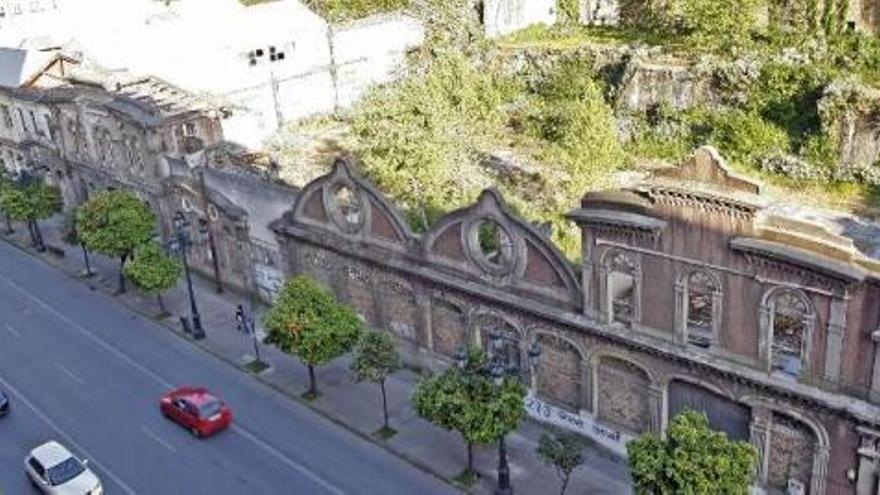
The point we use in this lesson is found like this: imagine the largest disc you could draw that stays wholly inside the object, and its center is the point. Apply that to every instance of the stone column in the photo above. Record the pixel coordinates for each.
(717, 315)
(423, 308)
(764, 336)
(759, 433)
(680, 313)
(605, 303)
(820, 470)
(655, 407)
(587, 264)
(875, 378)
(834, 341)
(587, 385)
(637, 296)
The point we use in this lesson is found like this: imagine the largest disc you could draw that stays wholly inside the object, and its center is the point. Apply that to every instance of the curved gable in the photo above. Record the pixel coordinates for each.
(344, 203)
(488, 241)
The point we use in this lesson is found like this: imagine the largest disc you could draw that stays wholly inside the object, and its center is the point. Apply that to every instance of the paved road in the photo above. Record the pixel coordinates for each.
(84, 371)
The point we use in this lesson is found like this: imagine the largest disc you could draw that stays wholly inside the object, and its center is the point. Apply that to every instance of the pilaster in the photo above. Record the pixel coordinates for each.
(875, 378)
(759, 432)
(834, 340)
(820, 470)
(423, 303)
(680, 334)
(655, 407)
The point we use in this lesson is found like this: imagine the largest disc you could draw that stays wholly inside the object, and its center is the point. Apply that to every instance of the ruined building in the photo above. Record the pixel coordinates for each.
(693, 291)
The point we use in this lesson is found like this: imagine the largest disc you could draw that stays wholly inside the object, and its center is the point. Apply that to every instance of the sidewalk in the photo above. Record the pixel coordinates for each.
(356, 407)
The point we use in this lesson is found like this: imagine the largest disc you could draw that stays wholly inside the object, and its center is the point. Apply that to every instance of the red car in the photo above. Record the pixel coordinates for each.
(196, 410)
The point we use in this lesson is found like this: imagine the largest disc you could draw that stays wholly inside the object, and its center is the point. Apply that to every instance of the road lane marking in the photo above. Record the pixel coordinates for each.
(82, 330)
(13, 331)
(73, 376)
(158, 379)
(70, 441)
(150, 433)
(286, 460)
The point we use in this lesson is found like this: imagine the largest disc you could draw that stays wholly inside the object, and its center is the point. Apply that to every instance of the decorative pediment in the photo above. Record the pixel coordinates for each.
(707, 166)
(344, 203)
(486, 240)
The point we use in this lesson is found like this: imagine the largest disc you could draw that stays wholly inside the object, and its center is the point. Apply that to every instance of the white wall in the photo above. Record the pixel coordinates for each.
(501, 17)
(372, 51)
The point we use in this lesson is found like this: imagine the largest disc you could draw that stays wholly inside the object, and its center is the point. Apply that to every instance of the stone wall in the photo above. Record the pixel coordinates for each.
(850, 115)
(440, 291)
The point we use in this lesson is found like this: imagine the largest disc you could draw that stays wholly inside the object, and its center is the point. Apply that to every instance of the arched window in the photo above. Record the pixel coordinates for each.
(622, 271)
(701, 296)
(791, 324)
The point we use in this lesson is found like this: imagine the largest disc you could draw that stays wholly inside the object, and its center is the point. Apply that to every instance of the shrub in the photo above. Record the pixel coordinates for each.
(745, 137)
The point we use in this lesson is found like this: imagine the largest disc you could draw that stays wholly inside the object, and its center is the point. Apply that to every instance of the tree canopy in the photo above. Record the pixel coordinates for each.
(562, 451)
(375, 357)
(306, 320)
(692, 459)
(35, 200)
(467, 401)
(114, 223)
(151, 270)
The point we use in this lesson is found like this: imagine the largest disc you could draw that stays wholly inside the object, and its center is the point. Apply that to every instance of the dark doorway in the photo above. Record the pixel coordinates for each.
(724, 414)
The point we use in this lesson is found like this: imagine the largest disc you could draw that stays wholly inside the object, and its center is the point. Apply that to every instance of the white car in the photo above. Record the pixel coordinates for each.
(55, 471)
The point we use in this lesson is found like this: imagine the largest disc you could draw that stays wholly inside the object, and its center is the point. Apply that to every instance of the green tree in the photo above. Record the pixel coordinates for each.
(375, 358)
(467, 401)
(30, 201)
(5, 184)
(692, 458)
(153, 271)
(563, 452)
(308, 321)
(115, 223)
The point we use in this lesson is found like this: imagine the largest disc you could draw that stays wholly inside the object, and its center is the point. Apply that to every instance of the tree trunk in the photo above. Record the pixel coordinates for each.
(313, 388)
(9, 229)
(564, 484)
(38, 237)
(384, 403)
(122, 274)
(30, 227)
(161, 304)
(86, 260)
(470, 453)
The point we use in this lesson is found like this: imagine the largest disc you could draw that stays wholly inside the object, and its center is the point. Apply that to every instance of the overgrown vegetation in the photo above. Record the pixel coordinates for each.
(545, 131)
(428, 140)
(344, 10)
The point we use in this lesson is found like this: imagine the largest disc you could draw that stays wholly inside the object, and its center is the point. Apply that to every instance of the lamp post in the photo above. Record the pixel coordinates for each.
(181, 244)
(497, 368)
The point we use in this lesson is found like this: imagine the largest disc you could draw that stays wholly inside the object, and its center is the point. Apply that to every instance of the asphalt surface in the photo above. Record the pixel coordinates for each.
(82, 370)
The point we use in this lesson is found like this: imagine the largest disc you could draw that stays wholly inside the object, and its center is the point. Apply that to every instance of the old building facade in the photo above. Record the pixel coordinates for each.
(691, 294)
(149, 137)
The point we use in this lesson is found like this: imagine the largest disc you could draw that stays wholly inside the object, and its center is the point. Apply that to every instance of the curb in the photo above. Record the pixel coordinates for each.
(418, 464)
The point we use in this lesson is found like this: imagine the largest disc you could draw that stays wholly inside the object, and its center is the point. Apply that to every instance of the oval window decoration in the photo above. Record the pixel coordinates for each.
(347, 207)
(186, 205)
(213, 214)
(492, 246)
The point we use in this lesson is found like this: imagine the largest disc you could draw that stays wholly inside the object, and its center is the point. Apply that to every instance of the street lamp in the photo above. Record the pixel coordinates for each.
(181, 244)
(497, 369)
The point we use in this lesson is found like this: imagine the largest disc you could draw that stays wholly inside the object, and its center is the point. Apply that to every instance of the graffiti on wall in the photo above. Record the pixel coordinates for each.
(584, 424)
